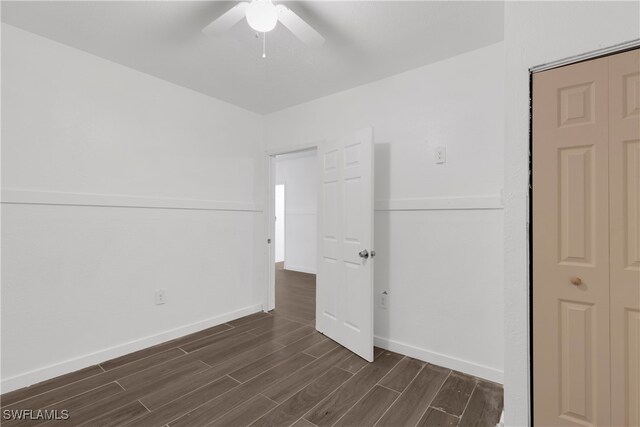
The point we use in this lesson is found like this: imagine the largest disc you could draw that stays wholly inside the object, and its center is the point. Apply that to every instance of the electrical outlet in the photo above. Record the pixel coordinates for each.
(160, 297)
(440, 155)
(384, 300)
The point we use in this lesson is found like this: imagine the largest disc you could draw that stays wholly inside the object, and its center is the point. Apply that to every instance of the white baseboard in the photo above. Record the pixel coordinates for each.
(439, 359)
(299, 269)
(71, 365)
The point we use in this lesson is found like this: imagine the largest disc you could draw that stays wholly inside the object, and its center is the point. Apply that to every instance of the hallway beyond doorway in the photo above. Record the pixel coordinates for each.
(295, 295)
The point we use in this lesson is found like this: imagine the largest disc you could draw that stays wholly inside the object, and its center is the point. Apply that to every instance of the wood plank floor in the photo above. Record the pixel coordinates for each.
(295, 295)
(260, 370)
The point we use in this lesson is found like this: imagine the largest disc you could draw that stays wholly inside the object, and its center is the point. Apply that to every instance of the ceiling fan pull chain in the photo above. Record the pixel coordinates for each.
(264, 45)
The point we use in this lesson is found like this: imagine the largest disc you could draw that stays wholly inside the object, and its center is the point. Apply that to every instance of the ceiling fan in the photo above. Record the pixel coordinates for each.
(263, 16)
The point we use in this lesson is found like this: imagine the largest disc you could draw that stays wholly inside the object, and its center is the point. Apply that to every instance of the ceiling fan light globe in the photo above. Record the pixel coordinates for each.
(262, 15)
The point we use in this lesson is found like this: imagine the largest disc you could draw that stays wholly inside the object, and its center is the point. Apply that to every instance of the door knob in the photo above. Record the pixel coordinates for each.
(576, 281)
(364, 254)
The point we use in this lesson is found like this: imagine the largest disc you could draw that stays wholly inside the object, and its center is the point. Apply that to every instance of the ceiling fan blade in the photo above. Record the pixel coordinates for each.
(298, 27)
(226, 20)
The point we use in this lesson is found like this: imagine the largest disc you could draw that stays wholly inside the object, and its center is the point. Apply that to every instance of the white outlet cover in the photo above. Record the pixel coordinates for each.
(383, 302)
(440, 155)
(160, 297)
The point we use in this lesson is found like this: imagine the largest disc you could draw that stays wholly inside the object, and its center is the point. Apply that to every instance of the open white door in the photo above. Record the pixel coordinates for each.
(344, 282)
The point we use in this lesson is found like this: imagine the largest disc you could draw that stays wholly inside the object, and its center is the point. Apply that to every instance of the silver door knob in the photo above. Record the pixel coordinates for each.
(364, 254)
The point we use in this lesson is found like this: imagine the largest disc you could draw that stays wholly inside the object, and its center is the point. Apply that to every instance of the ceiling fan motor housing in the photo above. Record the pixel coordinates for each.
(262, 15)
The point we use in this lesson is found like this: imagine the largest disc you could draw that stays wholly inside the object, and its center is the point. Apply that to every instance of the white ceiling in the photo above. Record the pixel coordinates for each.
(366, 41)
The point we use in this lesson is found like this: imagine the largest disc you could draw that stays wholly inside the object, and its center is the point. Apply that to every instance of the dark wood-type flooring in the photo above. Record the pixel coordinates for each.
(295, 295)
(261, 370)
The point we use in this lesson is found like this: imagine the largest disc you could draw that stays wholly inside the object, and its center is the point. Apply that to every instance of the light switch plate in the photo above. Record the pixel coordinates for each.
(440, 155)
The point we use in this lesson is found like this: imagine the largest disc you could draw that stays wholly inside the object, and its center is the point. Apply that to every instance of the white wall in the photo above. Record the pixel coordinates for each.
(84, 140)
(298, 173)
(443, 267)
(537, 33)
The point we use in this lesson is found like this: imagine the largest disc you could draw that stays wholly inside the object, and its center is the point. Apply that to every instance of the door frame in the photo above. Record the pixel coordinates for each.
(587, 56)
(269, 300)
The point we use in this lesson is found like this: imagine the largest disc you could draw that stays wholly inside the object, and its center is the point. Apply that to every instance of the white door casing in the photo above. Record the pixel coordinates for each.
(344, 289)
(270, 225)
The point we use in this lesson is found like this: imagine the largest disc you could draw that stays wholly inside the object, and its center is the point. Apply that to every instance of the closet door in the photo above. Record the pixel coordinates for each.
(624, 167)
(571, 246)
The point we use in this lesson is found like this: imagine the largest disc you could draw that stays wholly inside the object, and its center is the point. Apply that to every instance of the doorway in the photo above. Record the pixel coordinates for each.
(343, 239)
(280, 218)
(295, 192)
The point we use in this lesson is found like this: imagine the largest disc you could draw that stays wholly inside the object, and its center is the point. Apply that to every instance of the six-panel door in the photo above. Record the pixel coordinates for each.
(344, 290)
(571, 246)
(586, 243)
(624, 205)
